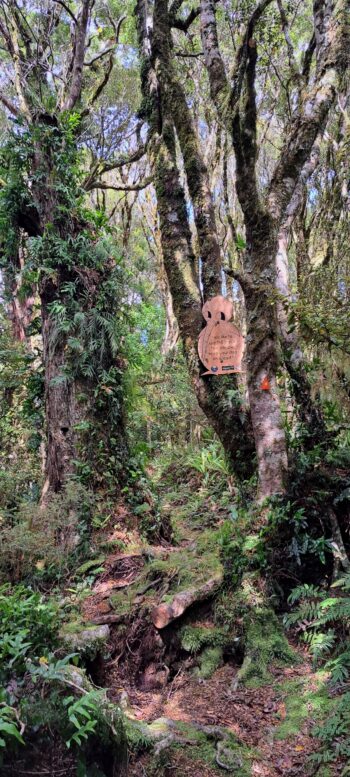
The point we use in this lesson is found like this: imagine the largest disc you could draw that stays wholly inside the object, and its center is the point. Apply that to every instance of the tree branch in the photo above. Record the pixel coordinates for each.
(218, 81)
(189, 54)
(67, 9)
(243, 279)
(105, 79)
(126, 159)
(249, 119)
(174, 104)
(305, 72)
(184, 24)
(7, 37)
(99, 56)
(78, 61)
(9, 105)
(175, 7)
(17, 63)
(285, 28)
(242, 53)
(310, 119)
(297, 197)
(116, 26)
(135, 187)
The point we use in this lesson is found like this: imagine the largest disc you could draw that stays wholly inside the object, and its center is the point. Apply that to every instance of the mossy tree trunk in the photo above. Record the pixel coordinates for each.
(235, 101)
(75, 275)
(308, 409)
(160, 98)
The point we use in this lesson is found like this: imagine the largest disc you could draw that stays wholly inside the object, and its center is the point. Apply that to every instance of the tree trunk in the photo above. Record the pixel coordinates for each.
(59, 405)
(308, 410)
(171, 335)
(224, 411)
(263, 220)
(84, 421)
(258, 278)
(262, 362)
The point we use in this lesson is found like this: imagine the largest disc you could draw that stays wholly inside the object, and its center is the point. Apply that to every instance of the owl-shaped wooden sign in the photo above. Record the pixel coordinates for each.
(220, 344)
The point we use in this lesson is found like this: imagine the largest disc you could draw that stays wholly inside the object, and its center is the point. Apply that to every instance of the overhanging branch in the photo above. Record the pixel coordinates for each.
(104, 167)
(67, 9)
(135, 187)
(184, 24)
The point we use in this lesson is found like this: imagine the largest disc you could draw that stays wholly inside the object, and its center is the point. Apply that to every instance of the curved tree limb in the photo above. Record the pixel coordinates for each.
(133, 187)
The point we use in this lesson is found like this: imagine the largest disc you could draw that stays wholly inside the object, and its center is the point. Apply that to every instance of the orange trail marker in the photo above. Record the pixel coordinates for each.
(265, 384)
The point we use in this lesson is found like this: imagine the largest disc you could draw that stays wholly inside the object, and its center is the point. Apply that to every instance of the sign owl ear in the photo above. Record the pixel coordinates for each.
(218, 308)
(206, 310)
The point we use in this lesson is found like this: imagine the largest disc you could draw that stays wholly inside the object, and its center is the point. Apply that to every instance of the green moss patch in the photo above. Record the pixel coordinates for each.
(87, 640)
(265, 643)
(305, 698)
(201, 750)
(210, 659)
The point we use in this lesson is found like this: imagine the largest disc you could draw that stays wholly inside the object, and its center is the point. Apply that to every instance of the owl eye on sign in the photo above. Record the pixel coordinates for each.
(220, 344)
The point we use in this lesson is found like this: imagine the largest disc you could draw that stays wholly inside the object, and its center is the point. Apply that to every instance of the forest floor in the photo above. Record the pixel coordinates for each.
(177, 681)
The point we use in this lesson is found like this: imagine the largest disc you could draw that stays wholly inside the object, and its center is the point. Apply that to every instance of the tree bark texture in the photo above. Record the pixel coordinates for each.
(226, 416)
(70, 396)
(309, 411)
(263, 219)
(174, 98)
(257, 281)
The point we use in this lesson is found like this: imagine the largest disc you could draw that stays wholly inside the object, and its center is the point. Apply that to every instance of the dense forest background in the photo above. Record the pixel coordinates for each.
(175, 549)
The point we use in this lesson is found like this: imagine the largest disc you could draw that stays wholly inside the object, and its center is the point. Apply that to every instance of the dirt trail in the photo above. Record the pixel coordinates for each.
(152, 677)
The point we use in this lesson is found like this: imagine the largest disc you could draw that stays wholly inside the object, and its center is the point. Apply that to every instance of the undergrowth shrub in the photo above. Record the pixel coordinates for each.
(322, 618)
(10, 726)
(44, 543)
(28, 627)
(334, 735)
(43, 695)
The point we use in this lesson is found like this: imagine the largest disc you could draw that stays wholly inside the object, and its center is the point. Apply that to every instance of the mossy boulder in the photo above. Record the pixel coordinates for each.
(86, 640)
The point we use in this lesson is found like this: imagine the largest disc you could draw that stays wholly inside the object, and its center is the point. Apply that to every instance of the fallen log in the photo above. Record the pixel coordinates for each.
(166, 612)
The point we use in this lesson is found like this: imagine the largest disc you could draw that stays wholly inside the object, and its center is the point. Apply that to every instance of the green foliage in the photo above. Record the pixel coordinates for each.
(94, 564)
(80, 718)
(45, 543)
(74, 254)
(302, 697)
(208, 644)
(9, 726)
(29, 627)
(323, 620)
(137, 737)
(209, 460)
(334, 734)
(161, 407)
(21, 402)
(194, 638)
(210, 659)
(83, 715)
(265, 643)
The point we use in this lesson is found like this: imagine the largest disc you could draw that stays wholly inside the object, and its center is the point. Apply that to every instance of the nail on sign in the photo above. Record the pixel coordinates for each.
(220, 344)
